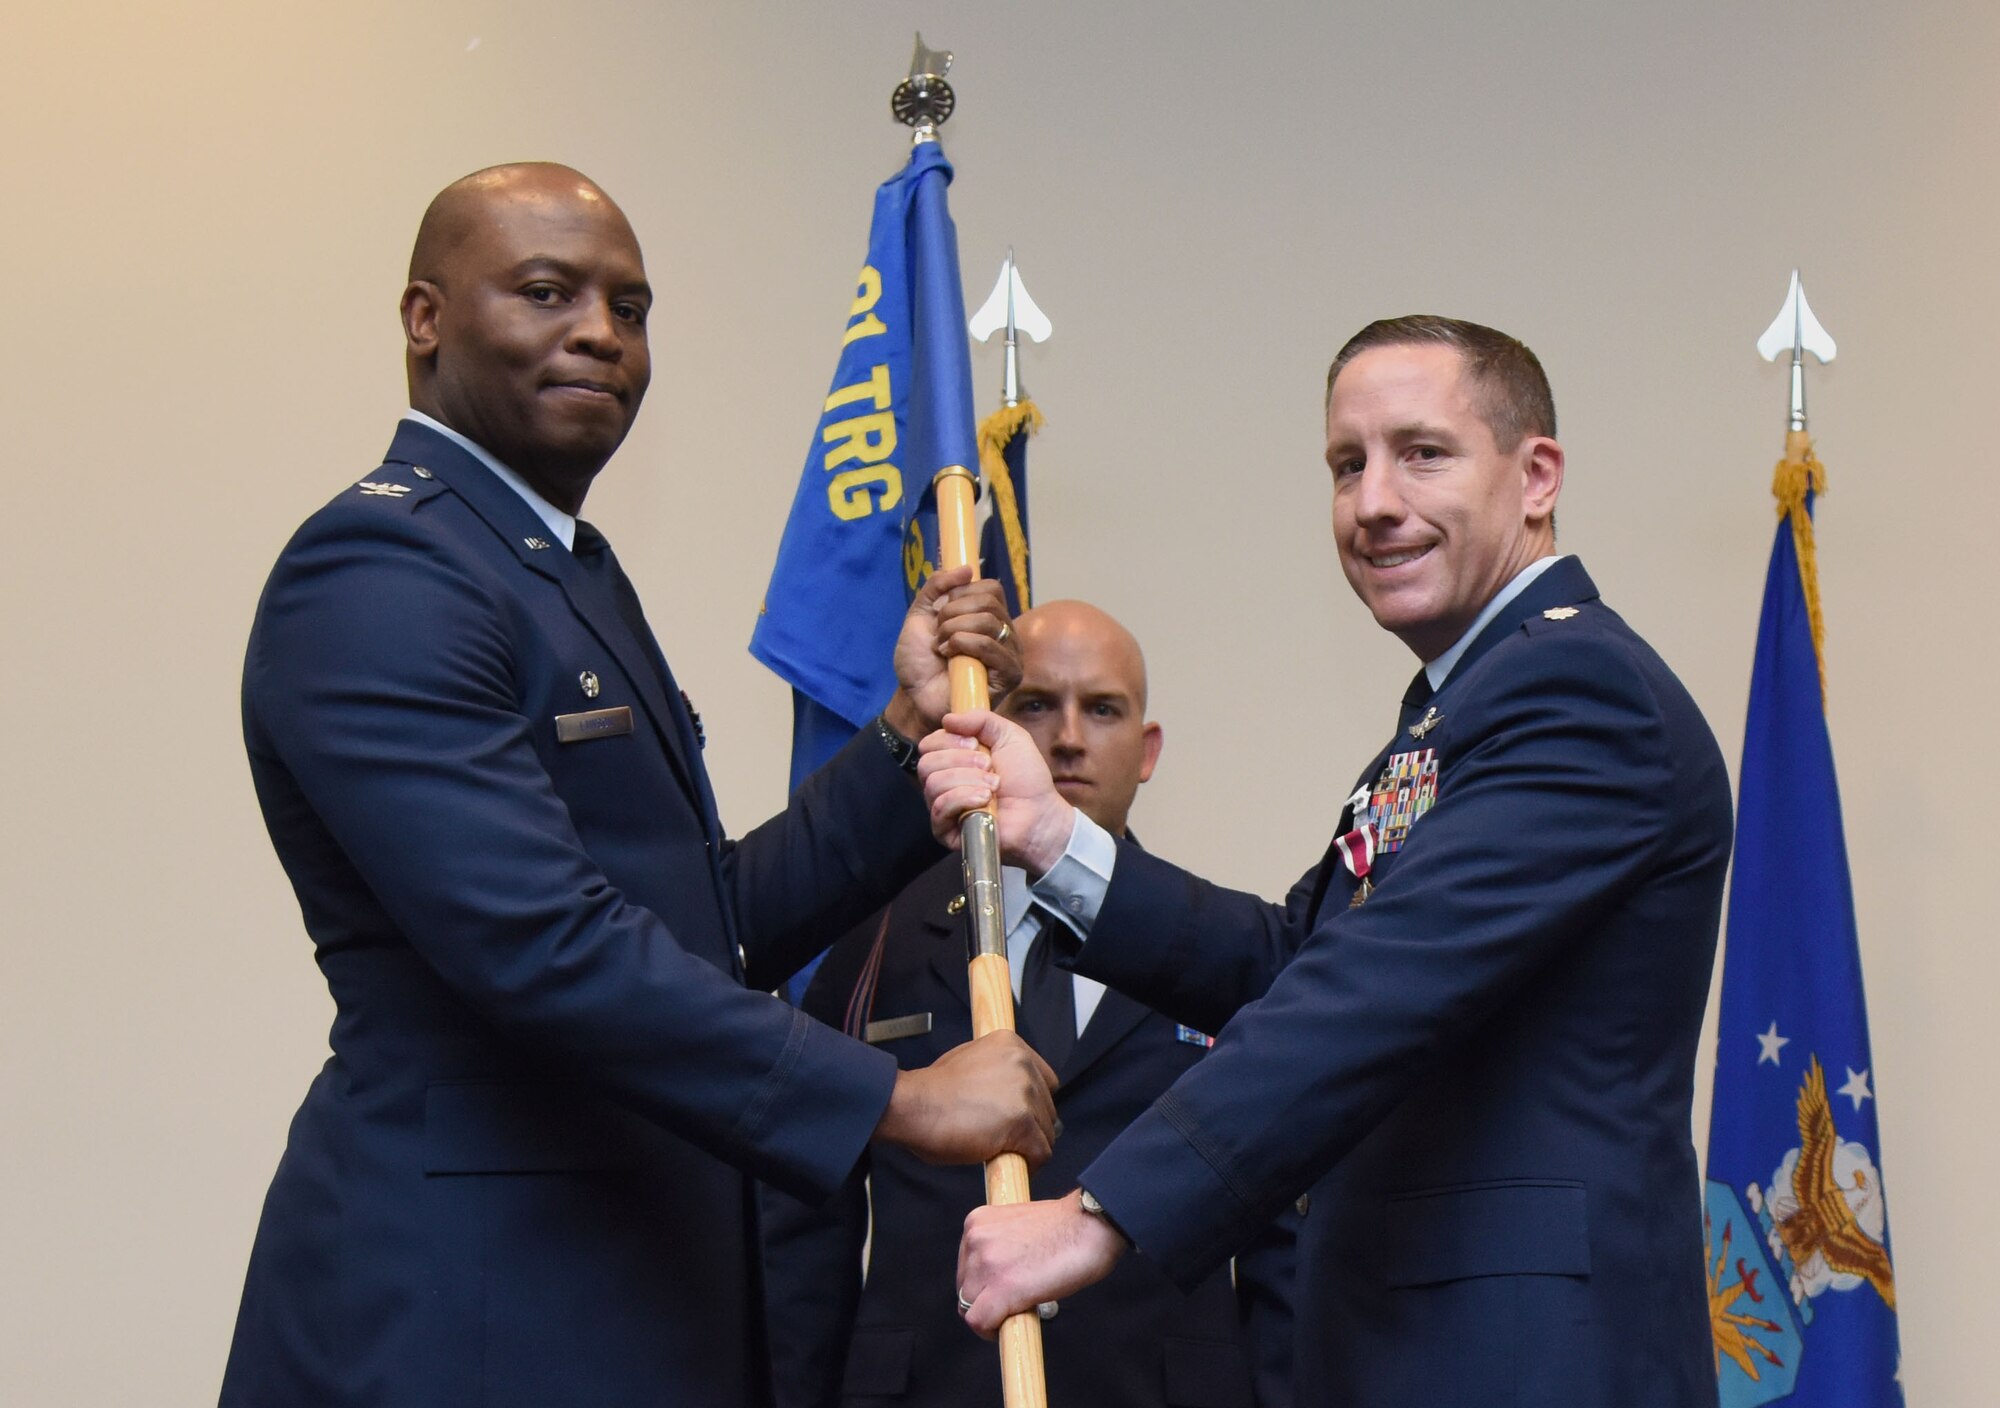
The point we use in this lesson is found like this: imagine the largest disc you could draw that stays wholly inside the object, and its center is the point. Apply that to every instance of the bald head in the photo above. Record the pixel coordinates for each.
(457, 212)
(1082, 697)
(525, 322)
(1085, 629)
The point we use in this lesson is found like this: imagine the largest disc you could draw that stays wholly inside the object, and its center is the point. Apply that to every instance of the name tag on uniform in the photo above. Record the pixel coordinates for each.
(593, 723)
(895, 1028)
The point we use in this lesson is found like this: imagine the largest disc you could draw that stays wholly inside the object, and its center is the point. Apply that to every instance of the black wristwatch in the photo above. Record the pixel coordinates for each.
(903, 750)
(1093, 1208)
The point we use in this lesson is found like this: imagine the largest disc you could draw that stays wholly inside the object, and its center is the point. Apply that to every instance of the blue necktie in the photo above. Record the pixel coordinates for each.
(1048, 998)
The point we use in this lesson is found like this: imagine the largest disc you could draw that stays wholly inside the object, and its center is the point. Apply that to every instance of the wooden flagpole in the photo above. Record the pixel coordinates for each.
(1023, 1383)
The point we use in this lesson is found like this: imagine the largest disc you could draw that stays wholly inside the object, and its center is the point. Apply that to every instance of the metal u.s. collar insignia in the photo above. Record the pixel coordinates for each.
(1421, 729)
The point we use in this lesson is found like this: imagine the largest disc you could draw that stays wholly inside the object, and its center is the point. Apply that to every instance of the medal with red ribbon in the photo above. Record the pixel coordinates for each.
(1357, 847)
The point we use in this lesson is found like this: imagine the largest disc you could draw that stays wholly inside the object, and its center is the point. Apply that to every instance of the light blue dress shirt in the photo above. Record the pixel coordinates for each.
(1074, 887)
(563, 525)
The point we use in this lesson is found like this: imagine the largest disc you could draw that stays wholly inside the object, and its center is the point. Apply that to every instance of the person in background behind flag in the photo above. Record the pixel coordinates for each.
(1471, 1031)
(898, 980)
(524, 1175)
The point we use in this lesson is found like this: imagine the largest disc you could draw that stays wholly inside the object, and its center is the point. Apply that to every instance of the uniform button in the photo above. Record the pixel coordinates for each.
(957, 905)
(1304, 1204)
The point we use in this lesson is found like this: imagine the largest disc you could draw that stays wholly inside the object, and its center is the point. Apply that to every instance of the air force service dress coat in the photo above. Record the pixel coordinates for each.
(1483, 1072)
(1134, 1340)
(523, 1176)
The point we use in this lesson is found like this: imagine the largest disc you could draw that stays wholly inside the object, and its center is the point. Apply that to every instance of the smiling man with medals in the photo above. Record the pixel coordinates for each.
(1468, 1036)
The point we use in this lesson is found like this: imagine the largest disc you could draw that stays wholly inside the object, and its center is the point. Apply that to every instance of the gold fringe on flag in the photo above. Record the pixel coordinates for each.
(994, 433)
(1798, 472)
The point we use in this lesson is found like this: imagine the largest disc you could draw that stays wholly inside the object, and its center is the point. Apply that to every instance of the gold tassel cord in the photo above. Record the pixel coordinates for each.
(1798, 472)
(994, 433)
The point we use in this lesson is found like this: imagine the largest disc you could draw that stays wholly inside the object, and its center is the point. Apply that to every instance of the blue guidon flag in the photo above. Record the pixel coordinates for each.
(843, 575)
(862, 534)
(1802, 1294)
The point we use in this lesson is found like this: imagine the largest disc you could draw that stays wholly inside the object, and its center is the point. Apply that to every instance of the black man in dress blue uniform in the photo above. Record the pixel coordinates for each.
(524, 1176)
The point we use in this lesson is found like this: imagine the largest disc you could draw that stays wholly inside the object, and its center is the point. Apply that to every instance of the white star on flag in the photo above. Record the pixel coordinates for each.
(1772, 1044)
(1856, 1088)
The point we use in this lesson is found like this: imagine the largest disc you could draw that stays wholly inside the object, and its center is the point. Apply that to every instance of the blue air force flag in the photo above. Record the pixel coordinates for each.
(860, 539)
(1802, 1297)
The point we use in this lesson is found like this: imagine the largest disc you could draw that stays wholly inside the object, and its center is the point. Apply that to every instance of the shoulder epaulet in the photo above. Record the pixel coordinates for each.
(397, 483)
(1552, 619)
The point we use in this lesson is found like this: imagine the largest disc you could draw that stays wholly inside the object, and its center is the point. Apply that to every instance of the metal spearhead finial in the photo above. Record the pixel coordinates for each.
(1796, 328)
(924, 100)
(1010, 307)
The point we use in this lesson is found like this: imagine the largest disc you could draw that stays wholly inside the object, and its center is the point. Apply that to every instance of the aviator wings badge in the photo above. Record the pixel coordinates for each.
(1420, 730)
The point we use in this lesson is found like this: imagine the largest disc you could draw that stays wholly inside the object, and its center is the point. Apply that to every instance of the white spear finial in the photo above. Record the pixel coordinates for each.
(1795, 328)
(1009, 307)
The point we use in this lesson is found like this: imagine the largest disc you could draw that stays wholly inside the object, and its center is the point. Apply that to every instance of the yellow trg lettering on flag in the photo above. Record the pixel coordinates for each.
(862, 322)
(870, 438)
(875, 389)
(848, 494)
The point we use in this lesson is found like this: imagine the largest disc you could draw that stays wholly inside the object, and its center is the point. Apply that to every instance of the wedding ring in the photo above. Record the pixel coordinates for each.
(964, 1305)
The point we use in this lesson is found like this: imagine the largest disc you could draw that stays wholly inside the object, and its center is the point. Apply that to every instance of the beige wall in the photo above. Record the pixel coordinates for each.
(207, 210)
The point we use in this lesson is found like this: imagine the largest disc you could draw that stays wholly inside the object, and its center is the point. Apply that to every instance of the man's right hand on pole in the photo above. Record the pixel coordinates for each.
(1034, 820)
(980, 1099)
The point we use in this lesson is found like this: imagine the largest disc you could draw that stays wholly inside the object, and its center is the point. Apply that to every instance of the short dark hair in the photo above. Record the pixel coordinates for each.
(1510, 386)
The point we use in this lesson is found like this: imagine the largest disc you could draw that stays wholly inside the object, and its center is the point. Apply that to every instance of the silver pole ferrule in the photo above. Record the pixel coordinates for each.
(979, 846)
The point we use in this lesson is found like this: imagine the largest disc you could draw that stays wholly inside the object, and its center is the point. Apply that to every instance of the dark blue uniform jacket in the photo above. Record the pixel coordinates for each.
(524, 1175)
(1134, 1341)
(1483, 1073)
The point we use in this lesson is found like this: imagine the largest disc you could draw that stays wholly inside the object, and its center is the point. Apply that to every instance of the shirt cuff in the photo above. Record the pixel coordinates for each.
(1073, 890)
